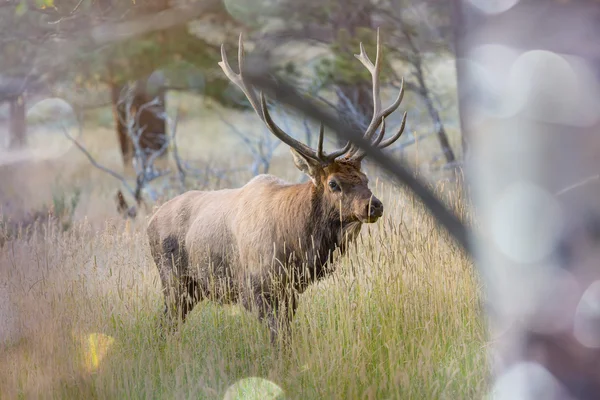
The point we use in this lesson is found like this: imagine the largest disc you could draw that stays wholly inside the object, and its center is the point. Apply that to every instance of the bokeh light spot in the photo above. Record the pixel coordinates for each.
(525, 381)
(494, 6)
(586, 327)
(95, 347)
(526, 223)
(557, 88)
(254, 389)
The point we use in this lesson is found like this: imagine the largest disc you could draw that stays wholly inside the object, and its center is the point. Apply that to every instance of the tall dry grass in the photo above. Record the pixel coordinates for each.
(400, 318)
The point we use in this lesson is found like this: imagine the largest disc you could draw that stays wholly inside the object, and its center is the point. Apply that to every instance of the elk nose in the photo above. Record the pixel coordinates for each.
(375, 208)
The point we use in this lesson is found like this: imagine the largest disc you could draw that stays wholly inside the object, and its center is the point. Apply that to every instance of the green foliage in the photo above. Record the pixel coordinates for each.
(191, 59)
(44, 3)
(344, 67)
(64, 205)
(20, 9)
(16, 54)
(184, 58)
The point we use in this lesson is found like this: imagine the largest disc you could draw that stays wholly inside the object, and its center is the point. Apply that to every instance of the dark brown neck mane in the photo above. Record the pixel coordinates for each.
(320, 230)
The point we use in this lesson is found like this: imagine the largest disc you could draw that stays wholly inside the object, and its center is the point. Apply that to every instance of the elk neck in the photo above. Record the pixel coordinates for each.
(318, 223)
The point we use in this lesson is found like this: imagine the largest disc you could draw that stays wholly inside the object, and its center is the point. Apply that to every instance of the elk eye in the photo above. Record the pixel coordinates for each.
(334, 186)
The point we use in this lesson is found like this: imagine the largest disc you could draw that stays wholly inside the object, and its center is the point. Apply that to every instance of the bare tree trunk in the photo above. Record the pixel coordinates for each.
(151, 120)
(425, 93)
(440, 129)
(18, 125)
(435, 117)
(459, 30)
(124, 142)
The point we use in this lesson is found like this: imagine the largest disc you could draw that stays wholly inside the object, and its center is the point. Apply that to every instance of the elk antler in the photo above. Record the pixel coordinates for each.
(260, 106)
(378, 114)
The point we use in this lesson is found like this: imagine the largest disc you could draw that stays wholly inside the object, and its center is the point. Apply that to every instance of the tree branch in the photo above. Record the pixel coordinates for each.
(95, 163)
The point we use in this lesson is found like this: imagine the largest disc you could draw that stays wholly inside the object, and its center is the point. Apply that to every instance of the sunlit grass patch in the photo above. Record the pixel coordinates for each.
(94, 348)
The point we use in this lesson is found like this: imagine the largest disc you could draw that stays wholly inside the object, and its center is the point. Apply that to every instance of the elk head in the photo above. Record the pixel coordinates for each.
(337, 177)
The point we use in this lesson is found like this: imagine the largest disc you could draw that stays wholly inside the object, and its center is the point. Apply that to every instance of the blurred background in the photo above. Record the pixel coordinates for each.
(79, 66)
(109, 108)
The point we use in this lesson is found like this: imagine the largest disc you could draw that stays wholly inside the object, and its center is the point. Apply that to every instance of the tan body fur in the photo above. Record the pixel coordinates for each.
(230, 244)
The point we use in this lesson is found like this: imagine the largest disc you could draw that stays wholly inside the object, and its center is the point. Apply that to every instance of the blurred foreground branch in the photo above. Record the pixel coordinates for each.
(529, 106)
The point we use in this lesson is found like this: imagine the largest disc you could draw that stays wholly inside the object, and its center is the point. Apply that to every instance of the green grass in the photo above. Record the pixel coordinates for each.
(399, 319)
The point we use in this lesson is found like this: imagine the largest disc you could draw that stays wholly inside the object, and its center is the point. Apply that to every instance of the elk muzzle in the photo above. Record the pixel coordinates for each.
(373, 210)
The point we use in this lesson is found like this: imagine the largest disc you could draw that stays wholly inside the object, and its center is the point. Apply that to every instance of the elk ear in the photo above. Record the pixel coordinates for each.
(309, 166)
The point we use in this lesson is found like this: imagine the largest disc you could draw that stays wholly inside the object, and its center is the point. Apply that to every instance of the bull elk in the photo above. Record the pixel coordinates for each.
(262, 244)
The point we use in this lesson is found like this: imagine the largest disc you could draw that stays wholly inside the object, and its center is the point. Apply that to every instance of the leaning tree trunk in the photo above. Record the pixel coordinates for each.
(17, 124)
(435, 116)
(459, 26)
(417, 62)
(150, 119)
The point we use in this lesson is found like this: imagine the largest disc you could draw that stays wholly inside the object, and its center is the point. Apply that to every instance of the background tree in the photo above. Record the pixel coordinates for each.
(152, 62)
(412, 29)
(21, 39)
(417, 29)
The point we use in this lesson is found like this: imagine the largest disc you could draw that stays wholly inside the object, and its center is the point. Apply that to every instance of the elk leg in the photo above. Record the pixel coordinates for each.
(287, 310)
(260, 302)
(171, 296)
(180, 291)
(278, 315)
(181, 295)
(180, 298)
(266, 311)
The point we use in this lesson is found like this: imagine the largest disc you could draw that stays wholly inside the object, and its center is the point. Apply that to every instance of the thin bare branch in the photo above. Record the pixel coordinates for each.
(96, 164)
(579, 184)
(261, 109)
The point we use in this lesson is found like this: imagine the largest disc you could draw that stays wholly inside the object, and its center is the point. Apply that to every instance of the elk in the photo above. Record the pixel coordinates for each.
(264, 243)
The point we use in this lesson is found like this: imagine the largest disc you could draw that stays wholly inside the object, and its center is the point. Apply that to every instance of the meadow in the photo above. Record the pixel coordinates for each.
(401, 318)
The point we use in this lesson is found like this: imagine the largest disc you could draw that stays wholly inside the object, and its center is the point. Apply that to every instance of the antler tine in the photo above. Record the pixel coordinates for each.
(392, 139)
(238, 78)
(378, 114)
(394, 106)
(284, 137)
(320, 154)
(379, 137)
(327, 158)
(335, 154)
(241, 55)
(260, 107)
(374, 70)
(384, 114)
